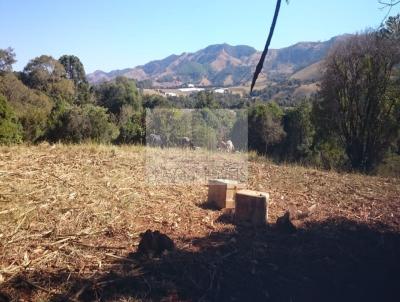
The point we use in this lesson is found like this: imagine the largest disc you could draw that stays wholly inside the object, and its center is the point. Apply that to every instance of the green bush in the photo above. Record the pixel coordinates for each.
(131, 126)
(265, 128)
(31, 107)
(10, 129)
(114, 95)
(87, 123)
(300, 134)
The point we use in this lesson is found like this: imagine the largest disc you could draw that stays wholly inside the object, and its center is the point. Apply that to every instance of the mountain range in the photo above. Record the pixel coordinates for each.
(224, 65)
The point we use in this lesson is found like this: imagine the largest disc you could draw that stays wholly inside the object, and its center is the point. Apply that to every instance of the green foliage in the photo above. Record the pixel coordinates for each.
(131, 126)
(7, 59)
(87, 123)
(10, 129)
(74, 69)
(56, 120)
(171, 124)
(42, 72)
(265, 127)
(360, 98)
(31, 107)
(205, 99)
(240, 131)
(356, 119)
(204, 136)
(114, 95)
(300, 133)
(391, 28)
(329, 154)
(390, 166)
(205, 125)
(76, 73)
(154, 101)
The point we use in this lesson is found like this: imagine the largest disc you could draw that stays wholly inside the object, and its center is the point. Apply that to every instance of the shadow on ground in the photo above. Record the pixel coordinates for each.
(333, 260)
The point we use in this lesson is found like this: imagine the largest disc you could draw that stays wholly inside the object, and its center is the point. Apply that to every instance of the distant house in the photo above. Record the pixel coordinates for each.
(221, 90)
(190, 86)
(171, 94)
(192, 89)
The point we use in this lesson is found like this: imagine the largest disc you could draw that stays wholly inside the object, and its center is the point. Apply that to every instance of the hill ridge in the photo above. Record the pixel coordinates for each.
(219, 64)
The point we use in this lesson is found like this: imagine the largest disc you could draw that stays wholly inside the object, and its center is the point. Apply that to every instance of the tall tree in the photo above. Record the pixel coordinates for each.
(300, 132)
(42, 71)
(76, 72)
(360, 97)
(114, 95)
(391, 29)
(73, 68)
(7, 59)
(31, 106)
(265, 127)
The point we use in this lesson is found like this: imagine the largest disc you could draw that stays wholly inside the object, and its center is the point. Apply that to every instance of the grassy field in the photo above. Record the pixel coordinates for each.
(71, 216)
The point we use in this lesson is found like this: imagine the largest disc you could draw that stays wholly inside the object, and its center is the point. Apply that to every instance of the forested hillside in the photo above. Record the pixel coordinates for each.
(351, 123)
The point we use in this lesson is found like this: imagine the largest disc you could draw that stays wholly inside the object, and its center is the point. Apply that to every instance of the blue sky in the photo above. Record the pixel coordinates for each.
(116, 34)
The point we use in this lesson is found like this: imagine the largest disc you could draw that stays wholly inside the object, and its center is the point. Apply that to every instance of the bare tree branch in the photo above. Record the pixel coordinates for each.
(265, 52)
(390, 3)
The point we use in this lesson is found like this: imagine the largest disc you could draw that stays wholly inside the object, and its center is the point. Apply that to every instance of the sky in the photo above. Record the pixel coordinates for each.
(116, 34)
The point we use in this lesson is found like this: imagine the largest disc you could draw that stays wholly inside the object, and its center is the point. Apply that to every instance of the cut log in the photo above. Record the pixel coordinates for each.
(251, 207)
(222, 192)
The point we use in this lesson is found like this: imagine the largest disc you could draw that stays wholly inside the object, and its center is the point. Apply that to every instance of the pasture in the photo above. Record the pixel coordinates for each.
(71, 219)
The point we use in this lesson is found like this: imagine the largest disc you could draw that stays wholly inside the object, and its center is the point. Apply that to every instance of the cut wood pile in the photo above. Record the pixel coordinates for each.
(72, 217)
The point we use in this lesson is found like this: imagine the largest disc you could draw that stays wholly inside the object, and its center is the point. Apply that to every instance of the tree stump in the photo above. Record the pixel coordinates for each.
(221, 192)
(251, 207)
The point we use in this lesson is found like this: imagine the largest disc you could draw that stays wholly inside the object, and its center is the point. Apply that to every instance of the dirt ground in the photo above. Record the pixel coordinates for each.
(71, 219)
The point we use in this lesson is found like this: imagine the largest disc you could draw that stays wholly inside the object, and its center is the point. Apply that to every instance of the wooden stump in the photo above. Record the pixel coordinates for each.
(251, 207)
(221, 193)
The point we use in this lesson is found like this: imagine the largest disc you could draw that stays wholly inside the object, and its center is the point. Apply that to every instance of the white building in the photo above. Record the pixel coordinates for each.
(192, 89)
(220, 90)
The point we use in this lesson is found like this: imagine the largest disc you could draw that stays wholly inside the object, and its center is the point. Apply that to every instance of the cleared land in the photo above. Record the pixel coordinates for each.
(70, 219)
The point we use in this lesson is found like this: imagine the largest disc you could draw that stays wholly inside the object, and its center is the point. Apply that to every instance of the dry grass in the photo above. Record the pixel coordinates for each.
(79, 208)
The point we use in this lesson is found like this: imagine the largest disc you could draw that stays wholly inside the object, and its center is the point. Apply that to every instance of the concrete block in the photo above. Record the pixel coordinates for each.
(251, 207)
(222, 192)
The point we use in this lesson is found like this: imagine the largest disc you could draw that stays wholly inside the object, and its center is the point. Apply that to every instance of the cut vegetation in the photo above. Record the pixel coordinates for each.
(71, 219)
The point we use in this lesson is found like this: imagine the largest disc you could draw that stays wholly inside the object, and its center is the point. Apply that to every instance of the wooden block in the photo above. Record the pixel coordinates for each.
(251, 207)
(222, 192)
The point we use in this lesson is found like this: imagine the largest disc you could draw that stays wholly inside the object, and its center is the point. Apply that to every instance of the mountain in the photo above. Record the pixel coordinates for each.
(226, 65)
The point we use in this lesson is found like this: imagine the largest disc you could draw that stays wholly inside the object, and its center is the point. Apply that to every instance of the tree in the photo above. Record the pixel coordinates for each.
(205, 99)
(7, 59)
(74, 69)
(42, 71)
(87, 123)
(114, 95)
(300, 133)
(10, 128)
(391, 29)
(76, 72)
(31, 107)
(240, 131)
(131, 126)
(360, 97)
(265, 127)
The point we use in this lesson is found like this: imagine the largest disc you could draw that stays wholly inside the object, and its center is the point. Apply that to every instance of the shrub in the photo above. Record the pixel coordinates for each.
(87, 123)
(10, 129)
